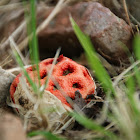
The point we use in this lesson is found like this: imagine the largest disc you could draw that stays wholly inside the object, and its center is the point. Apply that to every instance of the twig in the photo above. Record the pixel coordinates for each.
(134, 19)
(110, 125)
(127, 15)
(124, 72)
(57, 9)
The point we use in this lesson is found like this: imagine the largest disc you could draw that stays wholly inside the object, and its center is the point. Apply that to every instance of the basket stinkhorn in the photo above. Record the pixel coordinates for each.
(69, 75)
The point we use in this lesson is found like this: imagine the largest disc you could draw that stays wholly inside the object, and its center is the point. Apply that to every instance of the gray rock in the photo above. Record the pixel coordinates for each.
(11, 128)
(6, 79)
(108, 33)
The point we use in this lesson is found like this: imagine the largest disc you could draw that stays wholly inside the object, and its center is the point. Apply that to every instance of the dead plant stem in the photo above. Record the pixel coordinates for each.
(127, 15)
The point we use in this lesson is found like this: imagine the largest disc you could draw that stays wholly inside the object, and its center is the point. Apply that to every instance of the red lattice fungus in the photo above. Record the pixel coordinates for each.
(69, 75)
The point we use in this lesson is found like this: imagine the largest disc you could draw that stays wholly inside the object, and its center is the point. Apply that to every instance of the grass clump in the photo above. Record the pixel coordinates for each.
(123, 111)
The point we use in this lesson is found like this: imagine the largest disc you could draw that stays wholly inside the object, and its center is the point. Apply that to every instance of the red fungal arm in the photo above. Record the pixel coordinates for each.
(68, 74)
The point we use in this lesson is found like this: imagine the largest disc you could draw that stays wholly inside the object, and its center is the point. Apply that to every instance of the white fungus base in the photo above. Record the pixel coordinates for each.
(37, 111)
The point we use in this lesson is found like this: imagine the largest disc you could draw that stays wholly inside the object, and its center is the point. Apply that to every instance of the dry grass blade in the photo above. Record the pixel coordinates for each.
(17, 70)
(122, 114)
(14, 46)
(118, 78)
(10, 7)
(5, 61)
(42, 88)
(56, 10)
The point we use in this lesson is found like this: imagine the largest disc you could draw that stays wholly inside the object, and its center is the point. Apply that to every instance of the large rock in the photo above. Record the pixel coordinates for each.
(11, 128)
(105, 29)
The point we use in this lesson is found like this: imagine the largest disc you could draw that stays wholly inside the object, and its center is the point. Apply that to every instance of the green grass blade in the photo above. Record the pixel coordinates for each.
(33, 85)
(90, 124)
(130, 84)
(137, 74)
(94, 61)
(34, 41)
(47, 135)
(136, 45)
(28, 23)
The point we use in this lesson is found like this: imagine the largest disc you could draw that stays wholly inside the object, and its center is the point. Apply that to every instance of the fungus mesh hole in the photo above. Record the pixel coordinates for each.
(77, 85)
(43, 75)
(55, 87)
(68, 71)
